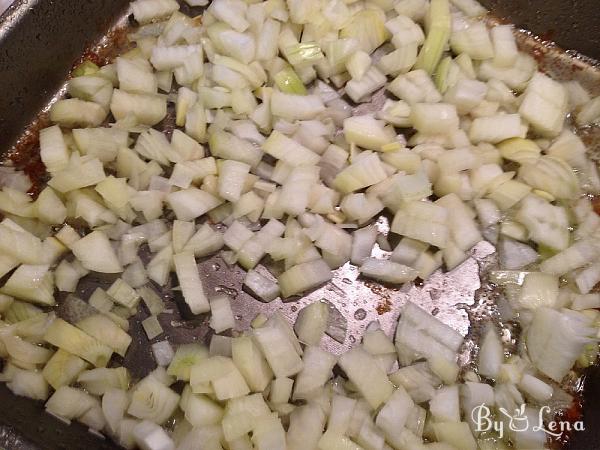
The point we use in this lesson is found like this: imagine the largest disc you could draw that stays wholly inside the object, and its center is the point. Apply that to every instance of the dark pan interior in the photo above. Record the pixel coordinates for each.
(39, 42)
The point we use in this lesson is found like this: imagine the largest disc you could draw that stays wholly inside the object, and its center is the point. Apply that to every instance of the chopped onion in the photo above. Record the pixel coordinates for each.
(387, 271)
(163, 353)
(152, 327)
(152, 400)
(368, 377)
(555, 339)
(186, 356)
(312, 323)
(223, 376)
(221, 315)
(303, 277)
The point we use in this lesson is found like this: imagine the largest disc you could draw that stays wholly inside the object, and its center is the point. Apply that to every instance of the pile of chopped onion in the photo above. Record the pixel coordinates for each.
(266, 147)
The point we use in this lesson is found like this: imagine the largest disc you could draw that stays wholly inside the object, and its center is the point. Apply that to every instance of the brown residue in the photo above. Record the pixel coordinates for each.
(25, 154)
(571, 415)
(384, 307)
(112, 45)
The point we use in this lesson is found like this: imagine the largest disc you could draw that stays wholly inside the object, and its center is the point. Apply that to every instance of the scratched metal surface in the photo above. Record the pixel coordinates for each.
(454, 297)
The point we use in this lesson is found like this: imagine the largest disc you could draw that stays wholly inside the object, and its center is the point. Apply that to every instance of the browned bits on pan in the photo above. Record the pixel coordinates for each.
(548, 35)
(384, 307)
(25, 155)
(113, 44)
(571, 415)
(596, 204)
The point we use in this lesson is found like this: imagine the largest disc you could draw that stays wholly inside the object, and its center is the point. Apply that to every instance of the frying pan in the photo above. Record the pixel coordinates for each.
(39, 42)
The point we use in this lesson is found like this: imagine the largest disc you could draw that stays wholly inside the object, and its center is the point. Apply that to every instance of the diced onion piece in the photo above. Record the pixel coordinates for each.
(281, 390)
(81, 172)
(191, 285)
(224, 377)
(547, 224)
(589, 113)
(515, 255)
(62, 368)
(552, 175)
(268, 433)
(146, 109)
(509, 193)
(577, 255)
(311, 323)
(393, 415)
(364, 172)
(296, 107)
(495, 129)
(231, 179)
(147, 10)
(437, 118)
(98, 381)
(359, 88)
(200, 410)
(400, 60)
(368, 28)
(415, 87)
(340, 416)
(505, 46)
(437, 36)
(152, 327)
(232, 12)
(188, 204)
(457, 434)
(205, 242)
(262, 287)
(221, 318)
(70, 403)
(72, 113)
(387, 271)
(114, 405)
(472, 38)
(96, 254)
(536, 388)
(368, 377)
(467, 94)
(25, 352)
(544, 105)
(278, 351)
(333, 441)
(470, 8)
(367, 132)
(491, 354)
(163, 353)
(152, 300)
(418, 380)
(303, 277)
(519, 150)
(285, 149)
(53, 150)
(422, 221)
(555, 339)
(363, 241)
(123, 294)
(305, 428)
(588, 278)
(317, 367)
(107, 332)
(69, 338)
(152, 400)
(186, 356)
(251, 363)
(31, 283)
